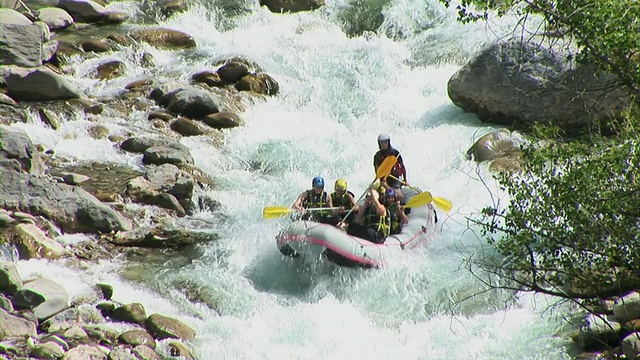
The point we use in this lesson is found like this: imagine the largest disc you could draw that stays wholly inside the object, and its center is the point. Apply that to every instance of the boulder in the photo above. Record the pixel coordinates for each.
(40, 84)
(192, 103)
(13, 326)
(16, 144)
(55, 18)
(72, 208)
(164, 38)
(280, 6)
(32, 242)
(83, 10)
(10, 280)
(223, 120)
(518, 83)
(25, 45)
(44, 296)
(164, 327)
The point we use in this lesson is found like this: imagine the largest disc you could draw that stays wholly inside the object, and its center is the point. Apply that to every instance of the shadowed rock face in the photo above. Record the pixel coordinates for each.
(71, 208)
(518, 84)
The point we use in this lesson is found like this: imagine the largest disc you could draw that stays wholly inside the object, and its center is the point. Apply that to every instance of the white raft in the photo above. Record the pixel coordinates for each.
(313, 240)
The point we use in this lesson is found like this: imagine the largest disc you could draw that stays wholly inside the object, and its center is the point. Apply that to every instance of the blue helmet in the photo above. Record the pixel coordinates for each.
(390, 192)
(317, 182)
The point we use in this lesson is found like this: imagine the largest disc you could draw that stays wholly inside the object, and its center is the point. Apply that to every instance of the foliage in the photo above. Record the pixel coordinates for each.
(573, 218)
(607, 32)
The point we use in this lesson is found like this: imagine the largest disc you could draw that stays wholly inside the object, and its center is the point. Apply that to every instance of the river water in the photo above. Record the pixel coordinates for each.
(337, 93)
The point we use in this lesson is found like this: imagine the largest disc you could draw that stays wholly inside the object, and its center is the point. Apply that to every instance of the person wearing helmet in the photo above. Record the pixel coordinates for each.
(313, 198)
(399, 171)
(345, 200)
(397, 216)
(372, 222)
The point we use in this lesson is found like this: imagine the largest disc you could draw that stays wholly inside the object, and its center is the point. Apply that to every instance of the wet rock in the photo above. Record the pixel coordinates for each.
(74, 179)
(163, 327)
(10, 280)
(180, 350)
(106, 290)
(139, 144)
(70, 207)
(98, 131)
(80, 316)
(170, 7)
(631, 345)
(210, 78)
(106, 308)
(166, 201)
(161, 237)
(47, 350)
(32, 242)
(494, 145)
(16, 144)
(223, 120)
(6, 100)
(55, 18)
(115, 17)
(49, 118)
(186, 127)
(233, 71)
(166, 117)
(193, 103)
(95, 109)
(75, 335)
(279, 6)
(147, 60)
(6, 304)
(260, 83)
(13, 326)
(39, 84)
(84, 352)
(133, 313)
(139, 84)
(111, 69)
(83, 10)
(144, 352)
(164, 37)
(159, 155)
(101, 334)
(56, 339)
(137, 337)
(45, 296)
(95, 45)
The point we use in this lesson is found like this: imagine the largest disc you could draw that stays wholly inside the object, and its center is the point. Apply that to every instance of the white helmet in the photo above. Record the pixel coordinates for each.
(384, 137)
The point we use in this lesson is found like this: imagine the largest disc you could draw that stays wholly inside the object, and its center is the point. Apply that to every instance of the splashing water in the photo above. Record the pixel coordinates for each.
(337, 94)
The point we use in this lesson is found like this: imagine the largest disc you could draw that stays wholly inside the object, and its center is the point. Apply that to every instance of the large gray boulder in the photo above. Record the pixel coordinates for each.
(55, 18)
(192, 103)
(70, 207)
(83, 10)
(40, 84)
(16, 144)
(44, 296)
(517, 84)
(13, 326)
(27, 45)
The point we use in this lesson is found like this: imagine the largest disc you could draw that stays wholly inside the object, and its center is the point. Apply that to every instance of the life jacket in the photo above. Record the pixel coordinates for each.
(342, 200)
(395, 222)
(377, 222)
(315, 200)
(398, 169)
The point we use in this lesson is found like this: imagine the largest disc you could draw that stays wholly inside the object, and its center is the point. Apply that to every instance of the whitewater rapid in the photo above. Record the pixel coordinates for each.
(337, 93)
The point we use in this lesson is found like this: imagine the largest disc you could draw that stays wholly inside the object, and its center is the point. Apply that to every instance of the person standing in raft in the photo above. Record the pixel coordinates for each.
(344, 199)
(313, 198)
(372, 222)
(399, 171)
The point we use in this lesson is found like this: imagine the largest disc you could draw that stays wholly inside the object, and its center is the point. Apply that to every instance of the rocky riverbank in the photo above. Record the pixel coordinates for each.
(44, 49)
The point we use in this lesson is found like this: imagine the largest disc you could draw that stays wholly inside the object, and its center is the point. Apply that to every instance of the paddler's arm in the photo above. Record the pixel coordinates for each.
(401, 214)
(298, 203)
(353, 202)
(380, 209)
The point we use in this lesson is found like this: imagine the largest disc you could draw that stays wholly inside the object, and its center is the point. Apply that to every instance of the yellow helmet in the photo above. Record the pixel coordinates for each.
(341, 184)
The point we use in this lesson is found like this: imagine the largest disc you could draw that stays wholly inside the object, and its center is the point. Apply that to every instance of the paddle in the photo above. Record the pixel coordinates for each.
(383, 171)
(272, 212)
(442, 203)
(419, 200)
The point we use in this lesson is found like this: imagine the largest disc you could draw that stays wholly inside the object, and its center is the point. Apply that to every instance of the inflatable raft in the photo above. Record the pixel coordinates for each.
(312, 240)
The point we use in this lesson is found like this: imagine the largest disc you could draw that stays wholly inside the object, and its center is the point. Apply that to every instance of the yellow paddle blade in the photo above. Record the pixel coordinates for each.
(443, 203)
(419, 200)
(385, 167)
(272, 212)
